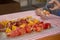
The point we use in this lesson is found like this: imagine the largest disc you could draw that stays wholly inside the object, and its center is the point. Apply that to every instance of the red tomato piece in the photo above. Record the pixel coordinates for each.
(38, 29)
(11, 34)
(28, 29)
(47, 25)
(22, 31)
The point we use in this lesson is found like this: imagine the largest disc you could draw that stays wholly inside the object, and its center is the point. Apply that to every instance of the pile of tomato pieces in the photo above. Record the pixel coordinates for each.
(25, 25)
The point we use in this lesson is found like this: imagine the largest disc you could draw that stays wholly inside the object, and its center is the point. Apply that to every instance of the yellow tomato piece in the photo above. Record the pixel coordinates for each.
(36, 21)
(23, 25)
(31, 22)
(4, 22)
(29, 17)
(14, 27)
(13, 20)
(8, 30)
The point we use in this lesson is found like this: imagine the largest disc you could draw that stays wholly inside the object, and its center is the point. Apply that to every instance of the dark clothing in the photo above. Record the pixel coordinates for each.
(56, 12)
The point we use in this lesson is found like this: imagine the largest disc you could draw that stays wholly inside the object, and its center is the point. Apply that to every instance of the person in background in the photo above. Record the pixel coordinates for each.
(52, 6)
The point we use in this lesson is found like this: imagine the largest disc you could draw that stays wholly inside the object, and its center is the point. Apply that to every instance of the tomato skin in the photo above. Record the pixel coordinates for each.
(41, 25)
(14, 33)
(22, 30)
(28, 29)
(1, 26)
(23, 26)
(41, 22)
(37, 28)
(47, 25)
(18, 30)
(11, 34)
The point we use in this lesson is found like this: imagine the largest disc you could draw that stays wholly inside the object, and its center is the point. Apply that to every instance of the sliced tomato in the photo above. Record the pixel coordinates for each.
(18, 30)
(22, 31)
(47, 25)
(41, 25)
(37, 28)
(14, 33)
(11, 34)
(28, 29)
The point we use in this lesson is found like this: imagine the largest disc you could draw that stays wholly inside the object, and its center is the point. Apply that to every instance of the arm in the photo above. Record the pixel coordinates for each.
(56, 7)
(57, 3)
(52, 1)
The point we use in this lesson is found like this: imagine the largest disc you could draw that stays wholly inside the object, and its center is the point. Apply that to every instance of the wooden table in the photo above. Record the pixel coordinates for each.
(52, 37)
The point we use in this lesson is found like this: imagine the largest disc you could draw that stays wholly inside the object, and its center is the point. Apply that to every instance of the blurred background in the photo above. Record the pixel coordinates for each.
(12, 6)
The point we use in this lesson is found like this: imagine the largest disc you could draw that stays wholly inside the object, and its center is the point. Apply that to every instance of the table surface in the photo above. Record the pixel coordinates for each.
(52, 37)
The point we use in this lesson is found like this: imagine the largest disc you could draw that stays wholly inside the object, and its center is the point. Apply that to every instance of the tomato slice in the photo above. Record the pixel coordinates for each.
(11, 34)
(38, 29)
(28, 29)
(47, 25)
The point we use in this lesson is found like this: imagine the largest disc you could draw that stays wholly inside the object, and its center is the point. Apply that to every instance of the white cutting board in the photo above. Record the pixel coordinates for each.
(33, 35)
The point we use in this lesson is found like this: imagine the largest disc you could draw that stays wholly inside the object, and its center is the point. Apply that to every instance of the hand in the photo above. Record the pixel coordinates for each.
(38, 11)
(42, 13)
(55, 7)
